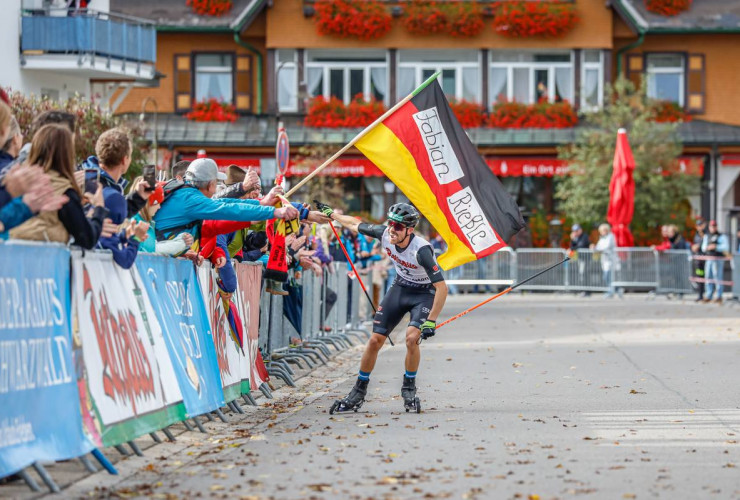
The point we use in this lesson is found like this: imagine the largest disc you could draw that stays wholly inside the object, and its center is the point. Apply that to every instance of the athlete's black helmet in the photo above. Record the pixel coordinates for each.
(404, 213)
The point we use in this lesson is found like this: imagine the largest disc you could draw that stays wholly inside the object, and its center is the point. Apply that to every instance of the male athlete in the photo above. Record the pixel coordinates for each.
(419, 289)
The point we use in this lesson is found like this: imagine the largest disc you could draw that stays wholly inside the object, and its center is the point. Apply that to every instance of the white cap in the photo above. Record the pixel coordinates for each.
(204, 170)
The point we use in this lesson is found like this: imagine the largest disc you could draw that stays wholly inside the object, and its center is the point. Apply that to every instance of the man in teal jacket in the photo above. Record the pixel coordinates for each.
(186, 207)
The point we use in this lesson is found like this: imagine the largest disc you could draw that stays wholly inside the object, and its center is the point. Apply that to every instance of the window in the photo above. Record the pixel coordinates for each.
(344, 74)
(214, 77)
(529, 77)
(459, 78)
(286, 75)
(665, 77)
(592, 79)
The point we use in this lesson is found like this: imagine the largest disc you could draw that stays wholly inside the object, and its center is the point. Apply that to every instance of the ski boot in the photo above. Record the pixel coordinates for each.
(408, 393)
(353, 401)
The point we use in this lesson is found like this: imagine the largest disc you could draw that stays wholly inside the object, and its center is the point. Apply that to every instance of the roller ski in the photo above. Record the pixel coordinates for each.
(353, 401)
(408, 393)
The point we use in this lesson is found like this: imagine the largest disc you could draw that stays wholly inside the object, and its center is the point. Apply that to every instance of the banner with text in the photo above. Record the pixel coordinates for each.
(233, 363)
(39, 412)
(249, 281)
(178, 303)
(126, 379)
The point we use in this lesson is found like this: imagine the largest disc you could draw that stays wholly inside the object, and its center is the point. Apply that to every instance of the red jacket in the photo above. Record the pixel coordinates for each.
(210, 230)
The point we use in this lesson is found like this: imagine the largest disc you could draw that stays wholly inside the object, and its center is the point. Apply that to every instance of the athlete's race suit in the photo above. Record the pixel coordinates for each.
(413, 290)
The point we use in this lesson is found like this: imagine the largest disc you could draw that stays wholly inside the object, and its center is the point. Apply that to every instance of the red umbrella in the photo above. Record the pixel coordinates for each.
(622, 192)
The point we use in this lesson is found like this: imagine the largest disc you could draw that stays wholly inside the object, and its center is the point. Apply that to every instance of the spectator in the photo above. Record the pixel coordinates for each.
(666, 243)
(12, 145)
(176, 246)
(28, 191)
(578, 239)
(113, 150)
(607, 245)
(52, 117)
(188, 203)
(52, 149)
(6, 117)
(714, 245)
(178, 171)
(676, 238)
(239, 184)
(699, 264)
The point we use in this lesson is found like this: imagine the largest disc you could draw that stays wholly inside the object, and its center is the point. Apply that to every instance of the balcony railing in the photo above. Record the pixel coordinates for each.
(87, 32)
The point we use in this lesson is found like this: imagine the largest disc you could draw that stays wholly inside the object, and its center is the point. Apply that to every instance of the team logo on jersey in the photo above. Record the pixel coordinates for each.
(400, 261)
(435, 268)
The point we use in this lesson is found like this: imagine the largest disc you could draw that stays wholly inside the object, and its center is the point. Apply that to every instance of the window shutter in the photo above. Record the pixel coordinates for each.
(695, 84)
(243, 83)
(635, 68)
(183, 83)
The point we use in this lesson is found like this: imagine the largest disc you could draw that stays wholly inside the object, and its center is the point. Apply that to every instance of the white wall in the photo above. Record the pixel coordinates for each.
(30, 81)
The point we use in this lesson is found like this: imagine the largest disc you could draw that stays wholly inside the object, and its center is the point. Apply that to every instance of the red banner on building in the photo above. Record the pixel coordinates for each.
(502, 166)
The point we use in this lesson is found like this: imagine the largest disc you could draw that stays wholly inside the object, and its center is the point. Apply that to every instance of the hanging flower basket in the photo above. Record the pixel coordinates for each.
(668, 112)
(210, 7)
(667, 7)
(212, 110)
(544, 114)
(333, 113)
(365, 20)
(530, 19)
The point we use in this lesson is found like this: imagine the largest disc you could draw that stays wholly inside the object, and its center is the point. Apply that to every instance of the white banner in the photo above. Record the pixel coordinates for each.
(129, 371)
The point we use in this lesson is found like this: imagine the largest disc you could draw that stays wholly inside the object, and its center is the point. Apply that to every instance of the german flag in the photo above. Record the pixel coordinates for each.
(423, 150)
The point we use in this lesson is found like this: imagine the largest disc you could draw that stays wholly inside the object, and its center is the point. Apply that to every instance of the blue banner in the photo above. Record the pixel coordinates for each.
(178, 303)
(39, 401)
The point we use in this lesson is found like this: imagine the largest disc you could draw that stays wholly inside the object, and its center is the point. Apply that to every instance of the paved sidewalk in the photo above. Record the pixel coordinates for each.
(533, 396)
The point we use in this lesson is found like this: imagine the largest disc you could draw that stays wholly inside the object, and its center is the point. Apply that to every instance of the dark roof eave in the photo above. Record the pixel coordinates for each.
(169, 28)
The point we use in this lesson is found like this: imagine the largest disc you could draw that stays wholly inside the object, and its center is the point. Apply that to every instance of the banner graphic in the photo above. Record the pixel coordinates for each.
(39, 411)
(126, 380)
(178, 304)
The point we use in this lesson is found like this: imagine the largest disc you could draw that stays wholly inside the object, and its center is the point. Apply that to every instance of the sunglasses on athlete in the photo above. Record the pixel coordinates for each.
(397, 226)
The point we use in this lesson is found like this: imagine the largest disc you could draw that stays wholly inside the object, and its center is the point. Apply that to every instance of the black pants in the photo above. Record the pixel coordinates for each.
(401, 300)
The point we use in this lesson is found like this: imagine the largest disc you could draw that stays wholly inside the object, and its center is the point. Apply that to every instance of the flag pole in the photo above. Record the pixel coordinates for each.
(363, 133)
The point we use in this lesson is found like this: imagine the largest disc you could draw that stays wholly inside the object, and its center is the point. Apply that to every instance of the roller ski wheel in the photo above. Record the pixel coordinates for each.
(414, 404)
(353, 401)
(408, 393)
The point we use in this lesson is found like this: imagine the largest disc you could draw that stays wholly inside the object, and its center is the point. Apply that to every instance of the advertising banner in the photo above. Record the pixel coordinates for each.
(249, 280)
(233, 365)
(178, 304)
(39, 409)
(126, 379)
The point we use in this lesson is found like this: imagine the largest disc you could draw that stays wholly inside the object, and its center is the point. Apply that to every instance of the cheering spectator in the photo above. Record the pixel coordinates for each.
(239, 184)
(52, 149)
(178, 171)
(12, 145)
(714, 245)
(37, 196)
(175, 246)
(188, 203)
(113, 150)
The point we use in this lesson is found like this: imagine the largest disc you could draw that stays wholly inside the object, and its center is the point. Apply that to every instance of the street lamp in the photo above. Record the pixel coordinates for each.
(141, 118)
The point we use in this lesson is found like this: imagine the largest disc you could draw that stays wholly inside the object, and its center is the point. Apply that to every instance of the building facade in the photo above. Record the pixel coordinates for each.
(268, 60)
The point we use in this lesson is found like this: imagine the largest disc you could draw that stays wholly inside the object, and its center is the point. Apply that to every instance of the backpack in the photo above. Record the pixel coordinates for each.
(169, 189)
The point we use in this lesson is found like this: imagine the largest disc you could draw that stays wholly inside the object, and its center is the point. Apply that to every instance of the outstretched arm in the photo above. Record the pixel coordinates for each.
(352, 223)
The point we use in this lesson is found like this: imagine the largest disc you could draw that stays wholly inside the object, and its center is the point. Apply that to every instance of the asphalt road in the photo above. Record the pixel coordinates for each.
(534, 396)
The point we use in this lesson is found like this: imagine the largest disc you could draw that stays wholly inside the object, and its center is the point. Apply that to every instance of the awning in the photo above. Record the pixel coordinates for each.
(502, 166)
(731, 160)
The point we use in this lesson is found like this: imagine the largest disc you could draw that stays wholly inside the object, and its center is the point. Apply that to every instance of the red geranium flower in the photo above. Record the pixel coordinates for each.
(212, 110)
(667, 7)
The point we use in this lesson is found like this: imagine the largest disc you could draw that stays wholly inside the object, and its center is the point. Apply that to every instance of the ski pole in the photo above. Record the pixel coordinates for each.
(339, 240)
(457, 316)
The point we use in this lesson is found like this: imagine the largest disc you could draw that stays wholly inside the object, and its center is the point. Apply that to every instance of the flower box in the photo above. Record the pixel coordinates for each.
(212, 110)
(333, 113)
(667, 7)
(365, 20)
(529, 19)
(210, 7)
(668, 111)
(544, 114)
(459, 19)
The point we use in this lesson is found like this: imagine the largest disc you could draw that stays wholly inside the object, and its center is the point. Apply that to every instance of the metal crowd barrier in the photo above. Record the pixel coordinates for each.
(644, 269)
